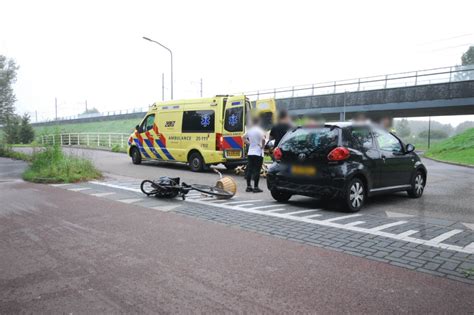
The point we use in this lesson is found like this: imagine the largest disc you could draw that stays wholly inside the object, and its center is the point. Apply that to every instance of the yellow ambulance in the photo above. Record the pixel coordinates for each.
(200, 132)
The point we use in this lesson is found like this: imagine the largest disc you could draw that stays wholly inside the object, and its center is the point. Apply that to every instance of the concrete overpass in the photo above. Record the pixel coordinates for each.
(436, 92)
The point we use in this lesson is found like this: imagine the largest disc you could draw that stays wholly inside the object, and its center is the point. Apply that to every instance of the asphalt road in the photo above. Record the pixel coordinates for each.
(448, 194)
(64, 253)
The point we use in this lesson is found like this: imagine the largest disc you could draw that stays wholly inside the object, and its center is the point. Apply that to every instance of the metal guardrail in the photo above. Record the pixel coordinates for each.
(388, 81)
(394, 80)
(97, 140)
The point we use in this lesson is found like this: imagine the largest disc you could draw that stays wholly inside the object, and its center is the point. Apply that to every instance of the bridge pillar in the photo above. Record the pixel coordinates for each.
(342, 116)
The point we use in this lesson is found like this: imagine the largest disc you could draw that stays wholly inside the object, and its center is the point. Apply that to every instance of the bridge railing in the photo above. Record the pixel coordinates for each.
(96, 140)
(395, 80)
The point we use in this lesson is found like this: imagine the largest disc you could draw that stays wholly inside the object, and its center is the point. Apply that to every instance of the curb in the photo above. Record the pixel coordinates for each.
(446, 162)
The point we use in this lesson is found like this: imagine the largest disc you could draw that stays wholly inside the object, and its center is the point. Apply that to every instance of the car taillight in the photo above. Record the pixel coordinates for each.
(219, 142)
(277, 154)
(338, 154)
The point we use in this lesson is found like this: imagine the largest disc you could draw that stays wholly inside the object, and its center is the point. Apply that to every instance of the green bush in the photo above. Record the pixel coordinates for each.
(51, 165)
(6, 151)
(117, 148)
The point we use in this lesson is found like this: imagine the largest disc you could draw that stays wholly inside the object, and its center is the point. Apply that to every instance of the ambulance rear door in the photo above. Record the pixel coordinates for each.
(234, 127)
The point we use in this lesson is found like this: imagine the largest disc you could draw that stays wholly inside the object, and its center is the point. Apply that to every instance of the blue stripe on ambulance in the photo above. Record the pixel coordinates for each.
(152, 149)
(232, 143)
(140, 147)
(165, 151)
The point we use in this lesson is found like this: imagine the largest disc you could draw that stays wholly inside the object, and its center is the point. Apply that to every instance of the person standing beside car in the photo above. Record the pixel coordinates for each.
(281, 128)
(255, 139)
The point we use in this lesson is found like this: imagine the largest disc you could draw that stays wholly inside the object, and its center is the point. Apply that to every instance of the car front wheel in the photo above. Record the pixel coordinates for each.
(355, 195)
(280, 196)
(196, 162)
(417, 186)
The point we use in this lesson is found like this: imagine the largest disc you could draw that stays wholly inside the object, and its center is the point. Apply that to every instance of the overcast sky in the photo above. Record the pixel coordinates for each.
(94, 51)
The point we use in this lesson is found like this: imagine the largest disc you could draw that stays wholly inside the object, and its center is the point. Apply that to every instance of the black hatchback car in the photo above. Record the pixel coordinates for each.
(346, 161)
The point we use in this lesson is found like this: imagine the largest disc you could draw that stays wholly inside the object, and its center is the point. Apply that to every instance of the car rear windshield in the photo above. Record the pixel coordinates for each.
(309, 140)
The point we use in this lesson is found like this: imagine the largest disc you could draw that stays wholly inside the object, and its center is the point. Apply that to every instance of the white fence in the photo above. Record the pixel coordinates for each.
(97, 140)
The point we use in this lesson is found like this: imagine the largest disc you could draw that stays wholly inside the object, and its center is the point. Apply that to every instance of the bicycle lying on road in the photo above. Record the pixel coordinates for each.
(170, 187)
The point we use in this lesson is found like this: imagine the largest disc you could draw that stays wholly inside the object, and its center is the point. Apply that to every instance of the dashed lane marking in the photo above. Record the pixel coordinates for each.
(386, 226)
(78, 189)
(130, 200)
(103, 194)
(436, 242)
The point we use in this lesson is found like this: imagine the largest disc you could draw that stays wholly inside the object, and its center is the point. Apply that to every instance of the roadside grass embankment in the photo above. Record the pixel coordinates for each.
(118, 126)
(458, 149)
(51, 165)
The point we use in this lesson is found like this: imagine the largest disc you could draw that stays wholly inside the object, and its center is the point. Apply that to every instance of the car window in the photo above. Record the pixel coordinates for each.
(387, 142)
(233, 120)
(148, 123)
(309, 140)
(362, 137)
(198, 121)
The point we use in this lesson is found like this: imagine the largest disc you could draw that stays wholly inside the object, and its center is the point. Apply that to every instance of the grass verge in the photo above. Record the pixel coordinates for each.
(458, 149)
(51, 165)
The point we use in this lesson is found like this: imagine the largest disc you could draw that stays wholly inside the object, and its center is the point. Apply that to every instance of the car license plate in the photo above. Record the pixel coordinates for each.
(303, 170)
(233, 153)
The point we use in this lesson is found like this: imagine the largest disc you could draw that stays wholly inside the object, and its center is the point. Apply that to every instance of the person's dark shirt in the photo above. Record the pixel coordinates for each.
(278, 131)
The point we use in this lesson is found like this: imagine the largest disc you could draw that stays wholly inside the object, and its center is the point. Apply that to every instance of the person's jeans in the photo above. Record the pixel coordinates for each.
(254, 165)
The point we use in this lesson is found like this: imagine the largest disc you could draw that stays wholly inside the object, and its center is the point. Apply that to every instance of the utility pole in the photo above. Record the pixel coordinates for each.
(86, 107)
(56, 108)
(162, 86)
(201, 87)
(429, 131)
(36, 115)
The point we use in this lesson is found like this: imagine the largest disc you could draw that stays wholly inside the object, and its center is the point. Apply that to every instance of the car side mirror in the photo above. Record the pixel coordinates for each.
(137, 127)
(409, 148)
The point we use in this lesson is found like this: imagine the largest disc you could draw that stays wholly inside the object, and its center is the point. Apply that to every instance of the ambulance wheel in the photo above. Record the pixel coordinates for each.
(196, 162)
(136, 156)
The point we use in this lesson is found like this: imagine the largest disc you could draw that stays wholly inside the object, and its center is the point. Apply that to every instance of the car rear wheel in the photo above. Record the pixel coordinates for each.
(417, 185)
(136, 156)
(196, 162)
(355, 195)
(280, 196)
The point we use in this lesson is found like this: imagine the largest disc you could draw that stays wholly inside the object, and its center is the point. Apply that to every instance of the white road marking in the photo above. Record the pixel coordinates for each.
(116, 186)
(386, 226)
(130, 200)
(166, 208)
(438, 239)
(267, 206)
(103, 194)
(236, 202)
(405, 236)
(60, 185)
(78, 189)
(299, 211)
(391, 214)
(245, 205)
(354, 223)
(468, 225)
(343, 217)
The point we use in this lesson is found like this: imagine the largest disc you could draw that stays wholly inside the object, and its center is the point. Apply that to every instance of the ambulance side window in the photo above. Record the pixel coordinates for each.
(148, 123)
(233, 120)
(198, 121)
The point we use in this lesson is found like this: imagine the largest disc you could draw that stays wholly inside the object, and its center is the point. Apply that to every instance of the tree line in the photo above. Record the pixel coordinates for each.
(16, 128)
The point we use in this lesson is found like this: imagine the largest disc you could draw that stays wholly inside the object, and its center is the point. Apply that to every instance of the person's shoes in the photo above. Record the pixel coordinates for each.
(249, 189)
(257, 190)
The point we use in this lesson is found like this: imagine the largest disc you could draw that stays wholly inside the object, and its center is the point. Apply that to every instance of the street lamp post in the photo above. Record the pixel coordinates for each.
(171, 53)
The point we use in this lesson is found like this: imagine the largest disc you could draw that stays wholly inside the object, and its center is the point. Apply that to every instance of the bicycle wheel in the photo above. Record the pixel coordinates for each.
(213, 191)
(148, 187)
